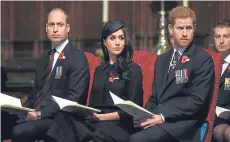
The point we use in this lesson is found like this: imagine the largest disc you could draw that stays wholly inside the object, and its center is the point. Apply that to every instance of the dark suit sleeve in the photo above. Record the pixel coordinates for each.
(95, 89)
(78, 79)
(200, 91)
(35, 89)
(152, 102)
(134, 88)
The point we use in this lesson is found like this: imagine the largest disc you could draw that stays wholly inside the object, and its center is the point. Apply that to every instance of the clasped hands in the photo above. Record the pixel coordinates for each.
(147, 122)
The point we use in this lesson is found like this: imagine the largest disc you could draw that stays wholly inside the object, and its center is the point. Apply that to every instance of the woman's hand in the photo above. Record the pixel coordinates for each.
(107, 116)
(99, 116)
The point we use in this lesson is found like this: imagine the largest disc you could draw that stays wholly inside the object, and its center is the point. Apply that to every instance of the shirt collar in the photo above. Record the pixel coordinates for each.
(60, 47)
(180, 50)
(227, 59)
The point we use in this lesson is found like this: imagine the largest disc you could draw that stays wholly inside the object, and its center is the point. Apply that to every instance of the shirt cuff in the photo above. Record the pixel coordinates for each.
(162, 116)
(38, 115)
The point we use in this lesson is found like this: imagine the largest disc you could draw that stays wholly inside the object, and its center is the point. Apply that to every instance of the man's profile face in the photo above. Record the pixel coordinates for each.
(222, 39)
(57, 29)
(182, 32)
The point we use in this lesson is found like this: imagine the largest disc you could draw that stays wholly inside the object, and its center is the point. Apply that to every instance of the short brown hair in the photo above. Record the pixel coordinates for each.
(223, 23)
(59, 9)
(181, 12)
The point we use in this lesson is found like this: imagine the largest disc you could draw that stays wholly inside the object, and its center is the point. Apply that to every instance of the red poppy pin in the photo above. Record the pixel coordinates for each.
(61, 56)
(184, 59)
(112, 78)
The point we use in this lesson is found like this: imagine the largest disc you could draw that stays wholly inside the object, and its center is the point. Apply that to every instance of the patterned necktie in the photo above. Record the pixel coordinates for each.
(176, 57)
(50, 65)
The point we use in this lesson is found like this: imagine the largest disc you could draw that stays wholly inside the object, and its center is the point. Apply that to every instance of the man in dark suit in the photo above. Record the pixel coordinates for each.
(182, 86)
(221, 35)
(62, 72)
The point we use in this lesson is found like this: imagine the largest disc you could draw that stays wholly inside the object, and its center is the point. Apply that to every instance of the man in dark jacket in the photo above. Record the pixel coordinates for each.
(221, 33)
(182, 86)
(62, 72)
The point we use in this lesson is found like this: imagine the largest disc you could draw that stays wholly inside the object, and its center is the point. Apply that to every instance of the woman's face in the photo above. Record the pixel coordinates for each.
(115, 43)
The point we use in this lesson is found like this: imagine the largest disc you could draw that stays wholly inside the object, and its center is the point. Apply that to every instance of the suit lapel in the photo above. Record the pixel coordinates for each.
(164, 69)
(179, 65)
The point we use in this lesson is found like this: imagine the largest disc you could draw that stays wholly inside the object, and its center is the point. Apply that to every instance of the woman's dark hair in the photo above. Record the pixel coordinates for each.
(124, 59)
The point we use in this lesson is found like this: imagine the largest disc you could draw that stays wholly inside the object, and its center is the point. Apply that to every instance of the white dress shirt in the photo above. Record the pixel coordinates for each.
(225, 64)
(59, 49)
(181, 51)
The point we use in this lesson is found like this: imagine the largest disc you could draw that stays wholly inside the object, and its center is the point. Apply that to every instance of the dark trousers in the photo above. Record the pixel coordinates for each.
(152, 134)
(7, 123)
(28, 131)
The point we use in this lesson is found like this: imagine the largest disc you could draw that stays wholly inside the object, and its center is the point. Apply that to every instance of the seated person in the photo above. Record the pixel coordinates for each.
(221, 37)
(118, 74)
(182, 86)
(55, 75)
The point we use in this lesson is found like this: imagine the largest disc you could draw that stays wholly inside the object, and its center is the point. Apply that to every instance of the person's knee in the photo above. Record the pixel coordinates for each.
(135, 138)
(227, 134)
(218, 131)
(17, 131)
(21, 131)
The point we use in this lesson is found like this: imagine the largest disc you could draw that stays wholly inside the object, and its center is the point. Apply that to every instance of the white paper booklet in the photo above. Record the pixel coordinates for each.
(70, 106)
(130, 107)
(12, 105)
(222, 112)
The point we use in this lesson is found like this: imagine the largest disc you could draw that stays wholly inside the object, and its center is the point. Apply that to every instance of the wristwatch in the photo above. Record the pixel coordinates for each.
(38, 115)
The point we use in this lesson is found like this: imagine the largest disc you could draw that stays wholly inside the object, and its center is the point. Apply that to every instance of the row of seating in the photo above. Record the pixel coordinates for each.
(146, 60)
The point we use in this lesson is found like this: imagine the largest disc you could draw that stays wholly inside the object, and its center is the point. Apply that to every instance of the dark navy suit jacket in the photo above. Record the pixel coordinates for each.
(72, 85)
(184, 106)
